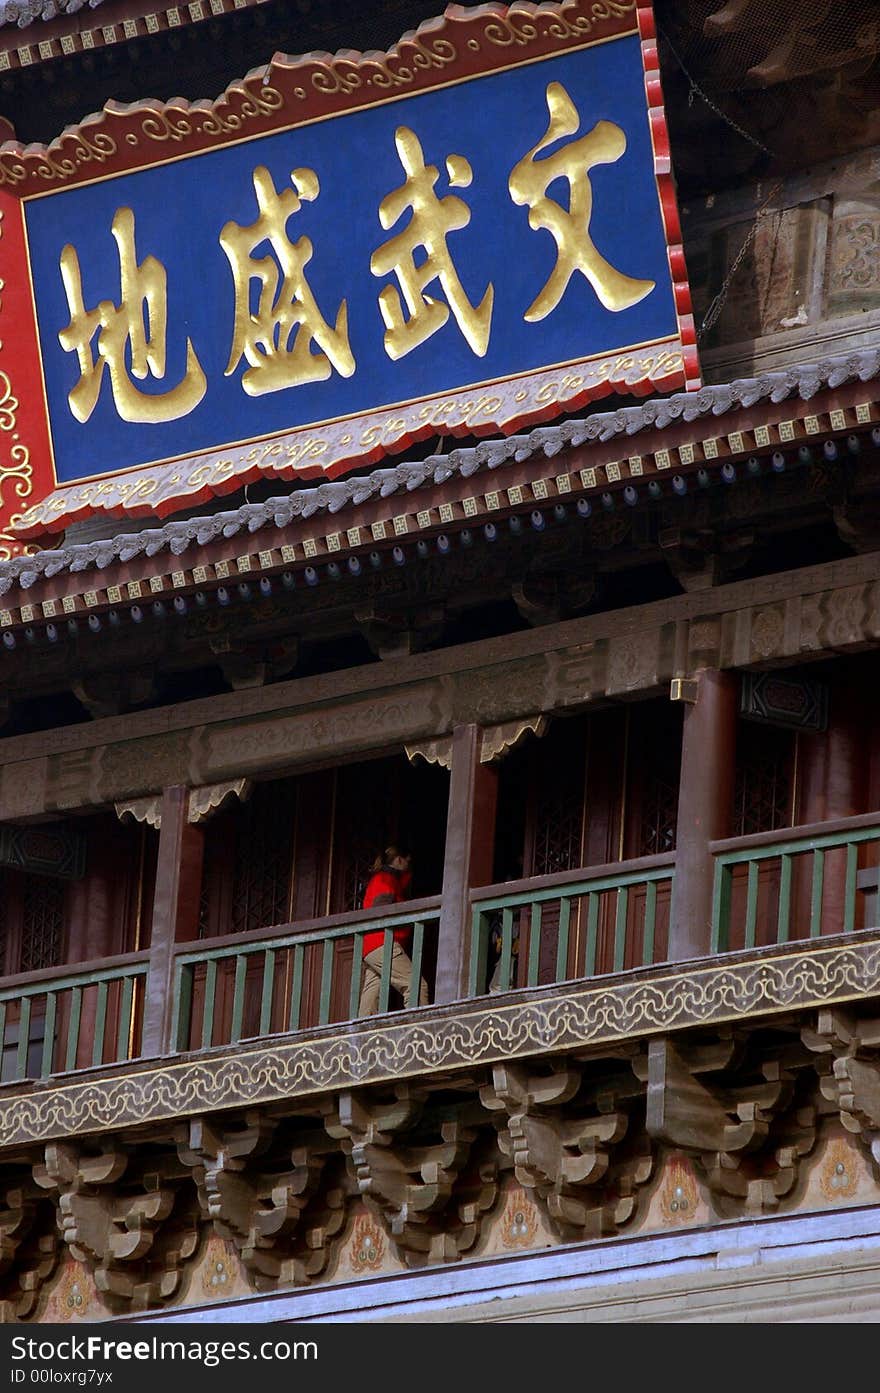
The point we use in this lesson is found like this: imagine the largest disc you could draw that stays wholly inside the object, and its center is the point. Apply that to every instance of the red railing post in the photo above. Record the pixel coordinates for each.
(175, 912)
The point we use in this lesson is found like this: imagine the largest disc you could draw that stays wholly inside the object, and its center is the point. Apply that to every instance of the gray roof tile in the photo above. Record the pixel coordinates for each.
(802, 380)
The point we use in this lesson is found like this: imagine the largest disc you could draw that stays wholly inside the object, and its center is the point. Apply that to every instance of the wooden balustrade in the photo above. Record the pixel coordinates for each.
(797, 883)
(575, 924)
(768, 888)
(62, 1020)
(291, 977)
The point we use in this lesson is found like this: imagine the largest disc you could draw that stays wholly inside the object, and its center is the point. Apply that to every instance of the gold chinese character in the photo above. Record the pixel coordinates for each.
(432, 219)
(140, 322)
(276, 340)
(570, 227)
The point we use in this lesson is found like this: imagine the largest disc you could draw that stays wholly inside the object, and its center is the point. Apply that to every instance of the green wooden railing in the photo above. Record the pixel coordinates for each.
(286, 979)
(792, 884)
(60, 1020)
(570, 925)
(771, 887)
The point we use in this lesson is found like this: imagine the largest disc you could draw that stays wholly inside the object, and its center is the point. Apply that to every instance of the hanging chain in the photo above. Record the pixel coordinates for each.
(694, 89)
(710, 318)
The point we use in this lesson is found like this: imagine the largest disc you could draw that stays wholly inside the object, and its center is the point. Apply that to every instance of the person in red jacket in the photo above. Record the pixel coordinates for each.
(389, 883)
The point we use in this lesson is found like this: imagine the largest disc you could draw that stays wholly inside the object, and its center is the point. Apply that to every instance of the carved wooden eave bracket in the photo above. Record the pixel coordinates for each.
(111, 693)
(431, 1190)
(203, 803)
(583, 1130)
(498, 741)
(747, 1134)
(29, 1245)
(122, 1219)
(438, 751)
(848, 1063)
(273, 1197)
(546, 597)
(570, 1152)
(791, 53)
(700, 559)
(400, 633)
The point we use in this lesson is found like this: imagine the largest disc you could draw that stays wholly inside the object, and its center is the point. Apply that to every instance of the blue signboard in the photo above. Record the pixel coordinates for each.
(342, 278)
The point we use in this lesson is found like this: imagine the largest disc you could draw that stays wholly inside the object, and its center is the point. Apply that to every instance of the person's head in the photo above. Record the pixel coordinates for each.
(394, 858)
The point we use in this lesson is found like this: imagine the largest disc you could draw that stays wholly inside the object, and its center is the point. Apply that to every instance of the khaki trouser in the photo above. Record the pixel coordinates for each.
(401, 976)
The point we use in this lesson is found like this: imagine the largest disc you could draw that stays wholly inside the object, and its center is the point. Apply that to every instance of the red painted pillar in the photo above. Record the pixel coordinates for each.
(834, 765)
(705, 807)
(834, 783)
(470, 848)
(175, 912)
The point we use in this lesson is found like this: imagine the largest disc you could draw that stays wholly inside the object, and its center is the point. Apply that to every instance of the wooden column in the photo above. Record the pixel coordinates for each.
(470, 848)
(705, 808)
(835, 769)
(175, 911)
(835, 765)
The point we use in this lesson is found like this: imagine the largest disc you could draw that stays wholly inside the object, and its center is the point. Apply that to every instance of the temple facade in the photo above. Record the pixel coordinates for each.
(596, 646)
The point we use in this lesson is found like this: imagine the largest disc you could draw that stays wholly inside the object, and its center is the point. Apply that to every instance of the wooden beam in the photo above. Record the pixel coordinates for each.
(308, 722)
(175, 912)
(475, 661)
(470, 849)
(705, 808)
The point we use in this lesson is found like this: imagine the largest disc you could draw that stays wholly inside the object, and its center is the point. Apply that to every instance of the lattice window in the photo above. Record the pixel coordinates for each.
(659, 807)
(42, 930)
(558, 830)
(367, 799)
(764, 775)
(357, 872)
(558, 818)
(263, 859)
(205, 899)
(4, 923)
(653, 763)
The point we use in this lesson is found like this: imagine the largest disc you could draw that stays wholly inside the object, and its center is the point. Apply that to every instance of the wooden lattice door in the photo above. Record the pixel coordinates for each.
(555, 825)
(246, 885)
(34, 939)
(764, 796)
(653, 775)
